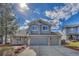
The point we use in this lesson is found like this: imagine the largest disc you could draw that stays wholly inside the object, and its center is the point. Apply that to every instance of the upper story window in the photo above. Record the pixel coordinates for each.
(44, 27)
(34, 28)
(78, 28)
(71, 29)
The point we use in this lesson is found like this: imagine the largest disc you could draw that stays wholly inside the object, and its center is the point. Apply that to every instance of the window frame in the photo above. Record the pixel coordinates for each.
(35, 27)
(45, 29)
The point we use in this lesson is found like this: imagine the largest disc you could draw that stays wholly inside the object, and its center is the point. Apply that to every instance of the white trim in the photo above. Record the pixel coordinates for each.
(43, 35)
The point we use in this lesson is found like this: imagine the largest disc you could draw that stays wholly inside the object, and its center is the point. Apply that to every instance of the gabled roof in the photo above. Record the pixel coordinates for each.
(72, 25)
(39, 21)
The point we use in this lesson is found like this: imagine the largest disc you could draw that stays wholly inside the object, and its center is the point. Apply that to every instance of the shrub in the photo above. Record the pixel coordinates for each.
(23, 47)
(16, 51)
(63, 42)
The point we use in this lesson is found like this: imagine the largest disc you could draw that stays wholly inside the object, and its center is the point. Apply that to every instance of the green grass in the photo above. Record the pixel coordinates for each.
(73, 44)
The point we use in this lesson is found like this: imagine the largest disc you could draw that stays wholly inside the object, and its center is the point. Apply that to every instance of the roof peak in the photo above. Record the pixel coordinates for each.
(40, 21)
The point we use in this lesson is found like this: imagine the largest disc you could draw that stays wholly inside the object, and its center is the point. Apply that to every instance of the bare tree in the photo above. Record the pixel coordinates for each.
(8, 22)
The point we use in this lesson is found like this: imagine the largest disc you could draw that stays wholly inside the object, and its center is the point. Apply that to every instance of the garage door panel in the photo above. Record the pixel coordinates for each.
(39, 41)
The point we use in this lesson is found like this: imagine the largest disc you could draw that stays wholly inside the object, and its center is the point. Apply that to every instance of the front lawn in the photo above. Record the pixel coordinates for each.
(73, 45)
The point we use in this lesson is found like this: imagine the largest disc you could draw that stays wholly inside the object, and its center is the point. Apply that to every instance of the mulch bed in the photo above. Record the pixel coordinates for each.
(16, 51)
(19, 50)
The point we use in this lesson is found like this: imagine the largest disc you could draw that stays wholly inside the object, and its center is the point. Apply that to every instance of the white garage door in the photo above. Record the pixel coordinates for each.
(39, 41)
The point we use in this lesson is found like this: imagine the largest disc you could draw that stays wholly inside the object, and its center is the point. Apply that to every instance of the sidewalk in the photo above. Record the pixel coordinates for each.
(28, 52)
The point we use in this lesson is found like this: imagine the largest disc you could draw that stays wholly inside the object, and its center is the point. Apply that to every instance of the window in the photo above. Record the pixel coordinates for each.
(34, 28)
(45, 27)
(71, 30)
(78, 29)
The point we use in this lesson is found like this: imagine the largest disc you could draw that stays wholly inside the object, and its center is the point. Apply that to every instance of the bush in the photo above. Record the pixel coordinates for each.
(74, 40)
(63, 42)
(16, 51)
(23, 47)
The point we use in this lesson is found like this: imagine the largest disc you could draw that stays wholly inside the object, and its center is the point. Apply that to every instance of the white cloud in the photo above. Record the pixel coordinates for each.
(55, 24)
(62, 13)
(26, 22)
(23, 7)
(48, 13)
(25, 26)
(36, 11)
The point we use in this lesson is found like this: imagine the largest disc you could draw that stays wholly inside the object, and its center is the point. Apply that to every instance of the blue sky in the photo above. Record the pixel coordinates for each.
(37, 11)
(72, 20)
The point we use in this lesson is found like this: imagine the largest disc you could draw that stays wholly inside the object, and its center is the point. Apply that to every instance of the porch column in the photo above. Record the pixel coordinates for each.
(49, 41)
(21, 42)
(29, 41)
(59, 40)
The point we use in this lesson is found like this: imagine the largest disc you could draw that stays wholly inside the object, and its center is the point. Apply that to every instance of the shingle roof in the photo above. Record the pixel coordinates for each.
(72, 25)
(40, 21)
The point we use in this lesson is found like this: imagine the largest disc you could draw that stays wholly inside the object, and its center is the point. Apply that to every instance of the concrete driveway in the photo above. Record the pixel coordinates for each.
(54, 51)
(28, 52)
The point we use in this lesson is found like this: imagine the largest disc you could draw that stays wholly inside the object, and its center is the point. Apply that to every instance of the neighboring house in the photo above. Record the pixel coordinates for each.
(19, 38)
(71, 28)
(72, 32)
(39, 32)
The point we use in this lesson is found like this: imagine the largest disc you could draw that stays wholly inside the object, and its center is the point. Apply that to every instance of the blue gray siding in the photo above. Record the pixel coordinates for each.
(40, 29)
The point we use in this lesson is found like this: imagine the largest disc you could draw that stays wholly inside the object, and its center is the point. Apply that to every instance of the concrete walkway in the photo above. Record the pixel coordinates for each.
(54, 51)
(28, 52)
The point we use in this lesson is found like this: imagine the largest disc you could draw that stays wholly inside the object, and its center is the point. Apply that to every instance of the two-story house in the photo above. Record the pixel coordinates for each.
(40, 33)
